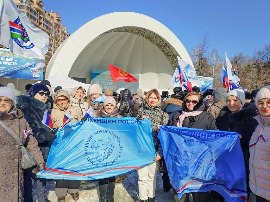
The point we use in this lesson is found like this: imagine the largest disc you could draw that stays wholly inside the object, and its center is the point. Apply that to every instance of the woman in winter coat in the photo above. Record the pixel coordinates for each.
(11, 173)
(95, 98)
(62, 114)
(259, 147)
(238, 116)
(78, 98)
(35, 109)
(194, 116)
(147, 175)
(107, 185)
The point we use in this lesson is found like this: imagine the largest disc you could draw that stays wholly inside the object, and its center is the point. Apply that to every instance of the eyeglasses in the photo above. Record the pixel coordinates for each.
(5, 100)
(191, 101)
(61, 100)
(44, 93)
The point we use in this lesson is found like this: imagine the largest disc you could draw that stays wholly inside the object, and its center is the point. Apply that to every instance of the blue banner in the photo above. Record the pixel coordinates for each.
(14, 66)
(100, 148)
(200, 160)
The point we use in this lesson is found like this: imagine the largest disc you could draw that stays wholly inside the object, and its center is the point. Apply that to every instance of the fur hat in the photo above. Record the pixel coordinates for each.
(95, 88)
(60, 93)
(38, 87)
(262, 93)
(108, 92)
(110, 100)
(239, 93)
(7, 92)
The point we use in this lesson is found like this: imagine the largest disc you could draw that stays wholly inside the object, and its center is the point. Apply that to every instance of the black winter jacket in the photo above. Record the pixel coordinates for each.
(33, 111)
(242, 122)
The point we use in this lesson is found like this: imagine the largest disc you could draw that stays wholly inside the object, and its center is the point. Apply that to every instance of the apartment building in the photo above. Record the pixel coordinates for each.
(48, 21)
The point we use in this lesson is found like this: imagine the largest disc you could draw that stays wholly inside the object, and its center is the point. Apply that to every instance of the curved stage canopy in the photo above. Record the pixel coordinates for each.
(131, 41)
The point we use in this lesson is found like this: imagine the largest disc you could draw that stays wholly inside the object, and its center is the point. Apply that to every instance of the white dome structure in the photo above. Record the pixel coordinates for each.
(133, 42)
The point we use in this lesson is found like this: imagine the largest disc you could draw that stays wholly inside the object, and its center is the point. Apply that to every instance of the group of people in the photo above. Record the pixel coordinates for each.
(214, 109)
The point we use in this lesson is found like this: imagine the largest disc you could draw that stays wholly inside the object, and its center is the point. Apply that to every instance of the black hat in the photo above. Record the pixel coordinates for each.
(46, 82)
(177, 90)
(36, 88)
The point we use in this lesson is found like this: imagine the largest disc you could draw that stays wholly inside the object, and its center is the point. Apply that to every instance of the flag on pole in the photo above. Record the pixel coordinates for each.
(180, 77)
(121, 75)
(18, 33)
(224, 78)
(233, 79)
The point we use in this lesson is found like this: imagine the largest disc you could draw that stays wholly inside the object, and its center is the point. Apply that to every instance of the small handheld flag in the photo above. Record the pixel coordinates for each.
(121, 75)
(47, 119)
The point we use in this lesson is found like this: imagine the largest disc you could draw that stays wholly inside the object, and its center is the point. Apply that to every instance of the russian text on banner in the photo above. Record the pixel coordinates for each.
(200, 160)
(100, 148)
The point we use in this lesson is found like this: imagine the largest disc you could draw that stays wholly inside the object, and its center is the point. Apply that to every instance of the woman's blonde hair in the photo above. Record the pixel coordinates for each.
(150, 92)
(192, 93)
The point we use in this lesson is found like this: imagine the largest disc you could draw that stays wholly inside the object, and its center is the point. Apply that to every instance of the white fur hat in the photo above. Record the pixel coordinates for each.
(7, 92)
(239, 93)
(262, 93)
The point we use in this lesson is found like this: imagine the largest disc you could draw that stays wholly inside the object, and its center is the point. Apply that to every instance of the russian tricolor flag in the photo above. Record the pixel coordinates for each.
(47, 119)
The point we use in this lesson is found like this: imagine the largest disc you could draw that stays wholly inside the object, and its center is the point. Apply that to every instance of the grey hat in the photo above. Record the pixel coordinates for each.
(239, 93)
(262, 93)
(7, 92)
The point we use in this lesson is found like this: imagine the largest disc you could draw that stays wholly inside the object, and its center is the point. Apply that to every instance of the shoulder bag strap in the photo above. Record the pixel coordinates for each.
(11, 132)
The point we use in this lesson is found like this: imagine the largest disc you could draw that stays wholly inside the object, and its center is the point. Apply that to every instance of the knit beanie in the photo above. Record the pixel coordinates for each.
(262, 93)
(239, 93)
(61, 93)
(109, 100)
(108, 92)
(95, 88)
(7, 92)
(36, 88)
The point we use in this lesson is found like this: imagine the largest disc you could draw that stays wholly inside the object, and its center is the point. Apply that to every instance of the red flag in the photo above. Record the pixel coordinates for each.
(121, 75)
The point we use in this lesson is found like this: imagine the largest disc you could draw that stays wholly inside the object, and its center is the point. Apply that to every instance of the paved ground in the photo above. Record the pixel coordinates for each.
(124, 192)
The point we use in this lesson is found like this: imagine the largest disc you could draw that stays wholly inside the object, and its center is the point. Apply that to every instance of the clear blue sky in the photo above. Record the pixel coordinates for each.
(232, 26)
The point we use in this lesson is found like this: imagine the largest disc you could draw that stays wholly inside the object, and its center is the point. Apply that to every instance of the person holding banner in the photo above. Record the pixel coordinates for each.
(147, 175)
(194, 116)
(107, 185)
(36, 113)
(238, 116)
(259, 147)
(63, 113)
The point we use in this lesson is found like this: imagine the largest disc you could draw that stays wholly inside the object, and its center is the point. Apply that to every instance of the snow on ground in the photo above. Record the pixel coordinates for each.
(125, 191)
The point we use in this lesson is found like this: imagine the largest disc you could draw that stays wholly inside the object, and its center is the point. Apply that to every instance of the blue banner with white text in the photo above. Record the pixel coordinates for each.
(15, 66)
(201, 160)
(100, 148)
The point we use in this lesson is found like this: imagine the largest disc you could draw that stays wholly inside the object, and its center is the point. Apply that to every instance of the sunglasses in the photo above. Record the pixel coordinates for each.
(44, 93)
(192, 101)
